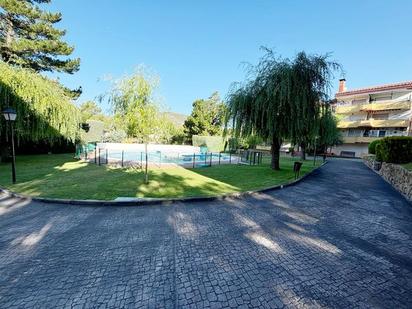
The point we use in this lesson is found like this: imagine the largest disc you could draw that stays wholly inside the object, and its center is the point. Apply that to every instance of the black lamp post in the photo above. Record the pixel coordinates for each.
(10, 116)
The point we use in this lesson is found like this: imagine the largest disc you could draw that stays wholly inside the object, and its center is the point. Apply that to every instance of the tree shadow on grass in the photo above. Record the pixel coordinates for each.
(247, 177)
(60, 176)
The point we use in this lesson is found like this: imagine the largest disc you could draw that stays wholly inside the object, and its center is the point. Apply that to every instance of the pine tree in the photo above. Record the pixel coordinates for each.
(29, 39)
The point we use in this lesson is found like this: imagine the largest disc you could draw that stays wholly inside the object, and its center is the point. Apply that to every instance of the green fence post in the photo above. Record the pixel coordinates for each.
(211, 154)
(95, 153)
(194, 160)
(99, 156)
(230, 158)
(122, 157)
(219, 156)
(107, 156)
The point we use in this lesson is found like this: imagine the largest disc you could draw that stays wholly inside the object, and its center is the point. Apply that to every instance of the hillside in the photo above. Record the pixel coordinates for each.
(176, 118)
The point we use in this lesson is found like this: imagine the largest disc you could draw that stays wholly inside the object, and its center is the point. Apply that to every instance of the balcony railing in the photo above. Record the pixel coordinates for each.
(381, 106)
(374, 123)
(358, 139)
(348, 109)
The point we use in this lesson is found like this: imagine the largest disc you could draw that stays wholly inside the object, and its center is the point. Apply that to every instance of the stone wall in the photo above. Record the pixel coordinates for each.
(398, 176)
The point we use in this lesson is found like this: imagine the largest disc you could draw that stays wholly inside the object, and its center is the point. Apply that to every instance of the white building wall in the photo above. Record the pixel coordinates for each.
(359, 149)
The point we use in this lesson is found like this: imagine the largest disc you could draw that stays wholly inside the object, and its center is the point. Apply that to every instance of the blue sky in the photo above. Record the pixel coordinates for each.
(197, 47)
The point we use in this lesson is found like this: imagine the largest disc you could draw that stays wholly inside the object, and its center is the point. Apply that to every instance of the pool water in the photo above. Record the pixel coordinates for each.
(160, 157)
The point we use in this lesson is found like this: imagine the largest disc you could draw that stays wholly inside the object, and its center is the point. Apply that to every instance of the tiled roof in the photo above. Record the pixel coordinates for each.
(386, 87)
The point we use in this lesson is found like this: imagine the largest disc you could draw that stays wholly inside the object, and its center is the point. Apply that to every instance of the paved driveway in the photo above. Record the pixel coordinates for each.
(340, 239)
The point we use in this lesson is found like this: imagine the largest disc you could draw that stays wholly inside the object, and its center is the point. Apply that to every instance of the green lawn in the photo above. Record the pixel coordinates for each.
(408, 166)
(61, 176)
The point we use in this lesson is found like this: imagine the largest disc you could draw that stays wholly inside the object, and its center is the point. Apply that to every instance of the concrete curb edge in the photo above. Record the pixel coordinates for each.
(164, 201)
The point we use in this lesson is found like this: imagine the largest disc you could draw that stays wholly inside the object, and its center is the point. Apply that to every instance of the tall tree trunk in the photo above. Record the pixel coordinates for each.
(146, 175)
(275, 151)
(303, 151)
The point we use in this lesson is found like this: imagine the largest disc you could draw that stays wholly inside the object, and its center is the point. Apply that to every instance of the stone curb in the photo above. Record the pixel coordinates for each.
(163, 201)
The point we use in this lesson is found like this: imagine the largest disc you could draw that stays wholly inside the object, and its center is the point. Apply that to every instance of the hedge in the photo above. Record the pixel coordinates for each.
(394, 149)
(372, 146)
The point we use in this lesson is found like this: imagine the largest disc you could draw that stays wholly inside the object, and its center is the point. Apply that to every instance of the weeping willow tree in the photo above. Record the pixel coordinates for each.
(44, 111)
(281, 100)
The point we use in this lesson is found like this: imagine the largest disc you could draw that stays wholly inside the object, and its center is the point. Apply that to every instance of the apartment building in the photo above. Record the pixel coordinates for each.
(370, 113)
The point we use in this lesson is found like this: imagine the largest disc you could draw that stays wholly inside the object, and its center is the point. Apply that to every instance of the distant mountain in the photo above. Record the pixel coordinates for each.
(176, 118)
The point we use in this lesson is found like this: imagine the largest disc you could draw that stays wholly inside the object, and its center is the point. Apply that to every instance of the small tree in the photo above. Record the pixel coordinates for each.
(135, 106)
(329, 134)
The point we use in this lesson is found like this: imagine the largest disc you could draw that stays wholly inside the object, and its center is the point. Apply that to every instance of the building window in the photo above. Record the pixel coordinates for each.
(354, 132)
(380, 116)
(382, 133)
(385, 97)
(359, 101)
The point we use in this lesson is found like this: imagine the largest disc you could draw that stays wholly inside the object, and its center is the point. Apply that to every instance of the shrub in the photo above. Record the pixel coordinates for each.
(372, 146)
(394, 149)
(378, 152)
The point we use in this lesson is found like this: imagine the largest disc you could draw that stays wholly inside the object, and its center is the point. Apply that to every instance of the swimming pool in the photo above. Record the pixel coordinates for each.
(133, 154)
(159, 158)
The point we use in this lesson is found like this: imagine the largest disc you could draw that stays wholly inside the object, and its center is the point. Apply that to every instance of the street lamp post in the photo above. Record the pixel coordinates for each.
(10, 116)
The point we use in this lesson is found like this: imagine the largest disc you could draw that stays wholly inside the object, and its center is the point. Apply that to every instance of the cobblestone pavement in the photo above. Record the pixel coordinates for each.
(340, 239)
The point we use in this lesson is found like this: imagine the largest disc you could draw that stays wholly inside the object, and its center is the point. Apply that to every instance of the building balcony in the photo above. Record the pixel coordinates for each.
(358, 139)
(381, 106)
(348, 109)
(374, 123)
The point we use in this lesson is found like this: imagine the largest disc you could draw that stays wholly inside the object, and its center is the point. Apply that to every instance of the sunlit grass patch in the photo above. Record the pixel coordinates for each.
(61, 176)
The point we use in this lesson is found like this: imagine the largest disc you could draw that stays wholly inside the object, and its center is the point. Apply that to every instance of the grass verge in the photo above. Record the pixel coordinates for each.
(61, 176)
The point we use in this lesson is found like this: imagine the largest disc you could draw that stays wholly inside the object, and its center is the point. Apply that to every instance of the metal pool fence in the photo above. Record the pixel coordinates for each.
(126, 158)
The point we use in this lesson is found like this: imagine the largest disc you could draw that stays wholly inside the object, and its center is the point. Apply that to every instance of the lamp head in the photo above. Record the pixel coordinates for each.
(9, 114)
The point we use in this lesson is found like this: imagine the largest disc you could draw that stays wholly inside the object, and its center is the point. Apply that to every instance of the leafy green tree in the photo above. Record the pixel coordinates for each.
(90, 110)
(281, 100)
(207, 117)
(28, 37)
(329, 134)
(310, 77)
(134, 104)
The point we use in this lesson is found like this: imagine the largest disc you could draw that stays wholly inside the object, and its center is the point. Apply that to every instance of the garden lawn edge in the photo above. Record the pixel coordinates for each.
(156, 201)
